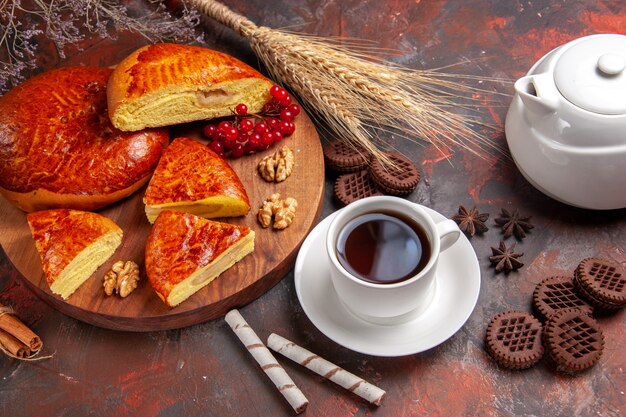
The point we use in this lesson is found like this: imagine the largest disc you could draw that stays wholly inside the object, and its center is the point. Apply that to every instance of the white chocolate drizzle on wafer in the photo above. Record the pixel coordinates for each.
(327, 369)
(266, 360)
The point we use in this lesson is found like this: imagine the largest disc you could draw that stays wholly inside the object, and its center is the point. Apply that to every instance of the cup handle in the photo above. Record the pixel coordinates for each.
(449, 233)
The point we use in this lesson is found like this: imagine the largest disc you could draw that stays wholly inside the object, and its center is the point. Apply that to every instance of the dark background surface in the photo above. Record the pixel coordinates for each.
(204, 370)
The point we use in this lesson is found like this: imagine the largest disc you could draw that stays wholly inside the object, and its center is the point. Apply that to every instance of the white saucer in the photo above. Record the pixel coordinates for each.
(458, 285)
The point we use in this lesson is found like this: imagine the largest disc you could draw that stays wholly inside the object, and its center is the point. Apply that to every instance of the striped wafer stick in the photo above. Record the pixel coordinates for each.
(266, 360)
(327, 369)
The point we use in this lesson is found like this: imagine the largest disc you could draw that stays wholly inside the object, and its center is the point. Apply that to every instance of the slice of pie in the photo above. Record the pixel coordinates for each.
(165, 84)
(192, 178)
(72, 244)
(185, 252)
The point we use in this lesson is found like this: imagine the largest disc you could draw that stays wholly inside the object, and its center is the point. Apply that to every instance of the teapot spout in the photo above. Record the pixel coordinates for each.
(537, 93)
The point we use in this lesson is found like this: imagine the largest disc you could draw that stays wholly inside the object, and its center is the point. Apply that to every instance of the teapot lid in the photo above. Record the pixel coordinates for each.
(591, 74)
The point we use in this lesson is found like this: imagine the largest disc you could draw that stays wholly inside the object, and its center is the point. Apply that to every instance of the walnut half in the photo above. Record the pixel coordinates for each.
(266, 212)
(122, 278)
(283, 211)
(277, 167)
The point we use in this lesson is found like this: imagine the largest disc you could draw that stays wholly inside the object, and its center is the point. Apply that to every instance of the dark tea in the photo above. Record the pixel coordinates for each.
(383, 248)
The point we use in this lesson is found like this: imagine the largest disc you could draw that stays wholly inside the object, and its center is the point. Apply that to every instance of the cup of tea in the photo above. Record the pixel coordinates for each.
(383, 255)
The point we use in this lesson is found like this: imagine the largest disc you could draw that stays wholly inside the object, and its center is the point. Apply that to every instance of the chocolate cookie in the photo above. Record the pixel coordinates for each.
(602, 282)
(592, 300)
(352, 187)
(556, 293)
(514, 339)
(401, 178)
(342, 157)
(573, 340)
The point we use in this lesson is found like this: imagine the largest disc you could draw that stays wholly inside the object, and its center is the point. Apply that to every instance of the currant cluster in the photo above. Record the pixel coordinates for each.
(250, 133)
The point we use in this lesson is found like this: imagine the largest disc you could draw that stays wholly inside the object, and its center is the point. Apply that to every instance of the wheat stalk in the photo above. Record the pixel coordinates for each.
(356, 94)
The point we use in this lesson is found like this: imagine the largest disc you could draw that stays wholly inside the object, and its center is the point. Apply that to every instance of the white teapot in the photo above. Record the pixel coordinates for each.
(566, 126)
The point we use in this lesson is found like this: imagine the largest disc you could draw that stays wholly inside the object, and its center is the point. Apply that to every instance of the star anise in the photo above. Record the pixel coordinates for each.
(505, 258)
(514, 224)
(471, 221)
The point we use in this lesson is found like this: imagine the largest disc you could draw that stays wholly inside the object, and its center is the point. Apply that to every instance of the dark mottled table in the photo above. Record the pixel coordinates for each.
(203, 369)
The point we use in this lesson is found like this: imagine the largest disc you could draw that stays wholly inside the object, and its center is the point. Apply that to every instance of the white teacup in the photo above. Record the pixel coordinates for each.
(388, 303)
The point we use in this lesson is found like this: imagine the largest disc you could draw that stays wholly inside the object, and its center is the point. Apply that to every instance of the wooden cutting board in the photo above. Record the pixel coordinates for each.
(273, 256)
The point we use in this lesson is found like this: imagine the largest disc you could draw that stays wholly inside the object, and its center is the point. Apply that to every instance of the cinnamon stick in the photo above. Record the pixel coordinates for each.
(266, 360)
(13, 346)
(327, 369)
(13, 326)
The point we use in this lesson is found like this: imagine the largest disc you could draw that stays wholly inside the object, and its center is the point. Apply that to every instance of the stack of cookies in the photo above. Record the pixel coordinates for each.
(573, 339)
(602, 283)
(363, 176)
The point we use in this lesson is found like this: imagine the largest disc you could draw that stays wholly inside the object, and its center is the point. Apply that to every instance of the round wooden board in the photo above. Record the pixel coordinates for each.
(273, 256)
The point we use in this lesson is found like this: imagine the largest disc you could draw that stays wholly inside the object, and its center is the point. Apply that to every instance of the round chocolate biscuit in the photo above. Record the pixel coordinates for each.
(398, 178)
(343, 157)
(602, 281)
(556, 293)
(591, 299)
(352, 187)
(573, 340)
(513, 339)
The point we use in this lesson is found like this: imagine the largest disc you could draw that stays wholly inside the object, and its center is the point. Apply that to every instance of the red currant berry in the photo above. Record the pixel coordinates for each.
(277, 91)
(260, 128)
(283, 127)
(246, 125)
(229, 143)
(237, 151)
(272, 123)
(224, 125)
(286, 116)
(267, 107)
(241, 109)
(278, 136)
(267, 138)
(216, 146)
(243, 137)
(285, 101)
(255, 139)
(209, 131)
(294, 109)
(280, 94)
(286, 128)
(231, 134)
(249, 148)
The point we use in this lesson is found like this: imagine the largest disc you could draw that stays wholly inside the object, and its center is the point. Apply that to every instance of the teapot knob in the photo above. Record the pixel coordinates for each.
(611, 64)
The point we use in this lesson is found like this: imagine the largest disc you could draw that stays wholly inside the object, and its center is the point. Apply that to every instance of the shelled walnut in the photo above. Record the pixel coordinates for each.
(285, 213)
(282, 211)
(122, 278)
(266, 212)
(277, 167)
